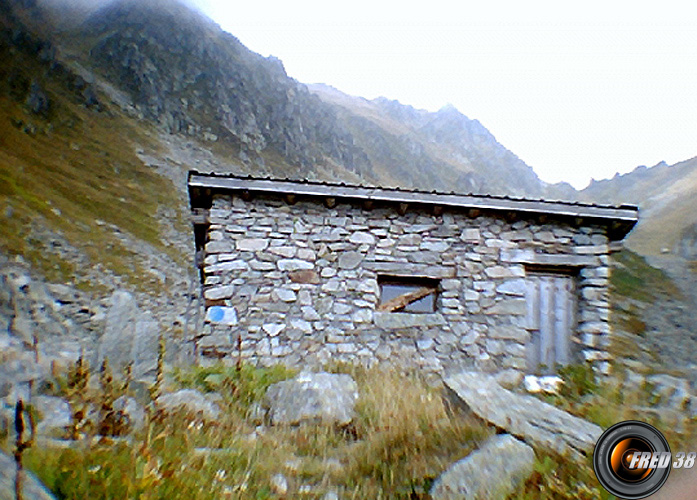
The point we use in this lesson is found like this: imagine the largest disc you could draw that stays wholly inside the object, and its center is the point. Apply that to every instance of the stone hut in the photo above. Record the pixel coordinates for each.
(307, 272)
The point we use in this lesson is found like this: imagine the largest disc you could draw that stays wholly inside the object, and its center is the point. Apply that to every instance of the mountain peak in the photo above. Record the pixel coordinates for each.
(449, 109)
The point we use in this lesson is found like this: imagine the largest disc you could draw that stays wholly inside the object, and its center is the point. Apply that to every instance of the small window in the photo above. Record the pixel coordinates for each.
(413, 295)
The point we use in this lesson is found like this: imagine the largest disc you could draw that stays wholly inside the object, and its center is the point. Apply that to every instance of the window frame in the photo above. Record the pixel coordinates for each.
(415, 284)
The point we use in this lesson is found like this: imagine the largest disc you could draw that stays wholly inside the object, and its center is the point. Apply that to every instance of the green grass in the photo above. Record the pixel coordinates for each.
(401, 439)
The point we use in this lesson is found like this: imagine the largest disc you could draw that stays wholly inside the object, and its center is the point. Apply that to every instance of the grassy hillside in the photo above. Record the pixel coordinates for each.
(72, 190)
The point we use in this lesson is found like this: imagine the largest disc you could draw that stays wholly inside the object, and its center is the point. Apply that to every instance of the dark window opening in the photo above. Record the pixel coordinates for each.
(406, 294)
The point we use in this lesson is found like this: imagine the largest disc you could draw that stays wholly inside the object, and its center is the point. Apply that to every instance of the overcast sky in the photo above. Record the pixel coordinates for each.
(575, 89)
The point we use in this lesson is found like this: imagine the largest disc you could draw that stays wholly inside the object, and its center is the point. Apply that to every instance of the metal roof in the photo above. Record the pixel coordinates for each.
(626, 214)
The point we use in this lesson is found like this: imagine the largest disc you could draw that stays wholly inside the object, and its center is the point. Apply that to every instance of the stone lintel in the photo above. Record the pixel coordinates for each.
(528, 256)
(411, 270)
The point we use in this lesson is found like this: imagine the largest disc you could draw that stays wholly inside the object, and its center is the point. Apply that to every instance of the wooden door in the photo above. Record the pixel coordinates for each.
(552, 303)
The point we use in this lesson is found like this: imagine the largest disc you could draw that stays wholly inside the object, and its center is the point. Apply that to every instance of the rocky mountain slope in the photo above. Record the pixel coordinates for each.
(184, 73)
(444, 150)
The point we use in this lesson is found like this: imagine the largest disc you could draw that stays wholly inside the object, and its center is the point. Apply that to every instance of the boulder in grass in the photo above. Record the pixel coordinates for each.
(494, 471)
(189, 401)
(312, 397)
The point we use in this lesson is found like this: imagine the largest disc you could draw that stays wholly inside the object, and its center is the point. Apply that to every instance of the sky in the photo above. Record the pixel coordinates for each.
(577, 90)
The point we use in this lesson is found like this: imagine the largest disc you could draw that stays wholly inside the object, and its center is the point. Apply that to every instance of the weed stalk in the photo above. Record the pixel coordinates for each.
(21, 444)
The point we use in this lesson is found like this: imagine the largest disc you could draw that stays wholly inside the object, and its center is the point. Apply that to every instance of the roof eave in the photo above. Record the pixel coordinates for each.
(625, 215)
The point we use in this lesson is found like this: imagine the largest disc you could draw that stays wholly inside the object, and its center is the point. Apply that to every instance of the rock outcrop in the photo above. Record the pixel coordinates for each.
(181, 70)
(536, 422)
(190, 401)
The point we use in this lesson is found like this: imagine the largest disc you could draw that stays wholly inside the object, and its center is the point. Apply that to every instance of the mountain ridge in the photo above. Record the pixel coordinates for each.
(166, 64)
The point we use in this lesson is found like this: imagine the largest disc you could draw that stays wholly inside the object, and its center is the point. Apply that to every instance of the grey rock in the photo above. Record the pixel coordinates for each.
(285, 295)
(252, 244)
(510, 379)
(190, 401)
(219, 292)
(494, 471)
(331, 495)
(22, 326)
(119, 332)
(223, 267)
(219, 247)
(145, 347)
(509, 332)
(424, 344)
(513, 287)
(322, 396)
(55, 414)
(310, 314)
(362, 316)
(471, 235)
(279, 484)
(362, 238)
(672, 391)
(273, 329)
(22, 369)
(391, 321)
(294, 265)
(498, 272)
(538, 423)
(287, 252)
(435, 246)
(350, 260)
(37, 100)
(301, 325)
(32, 489)
(307, 254)
(256, 413)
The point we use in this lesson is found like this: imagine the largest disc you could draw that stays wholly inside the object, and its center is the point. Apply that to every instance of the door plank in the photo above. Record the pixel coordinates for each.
(561, 315)
(533, 318)
(547, 323)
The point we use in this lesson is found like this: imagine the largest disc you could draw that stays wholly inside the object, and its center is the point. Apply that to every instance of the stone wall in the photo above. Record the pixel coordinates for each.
(298, 282)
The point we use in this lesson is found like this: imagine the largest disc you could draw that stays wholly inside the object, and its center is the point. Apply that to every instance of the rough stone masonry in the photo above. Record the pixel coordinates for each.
(296, 272)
